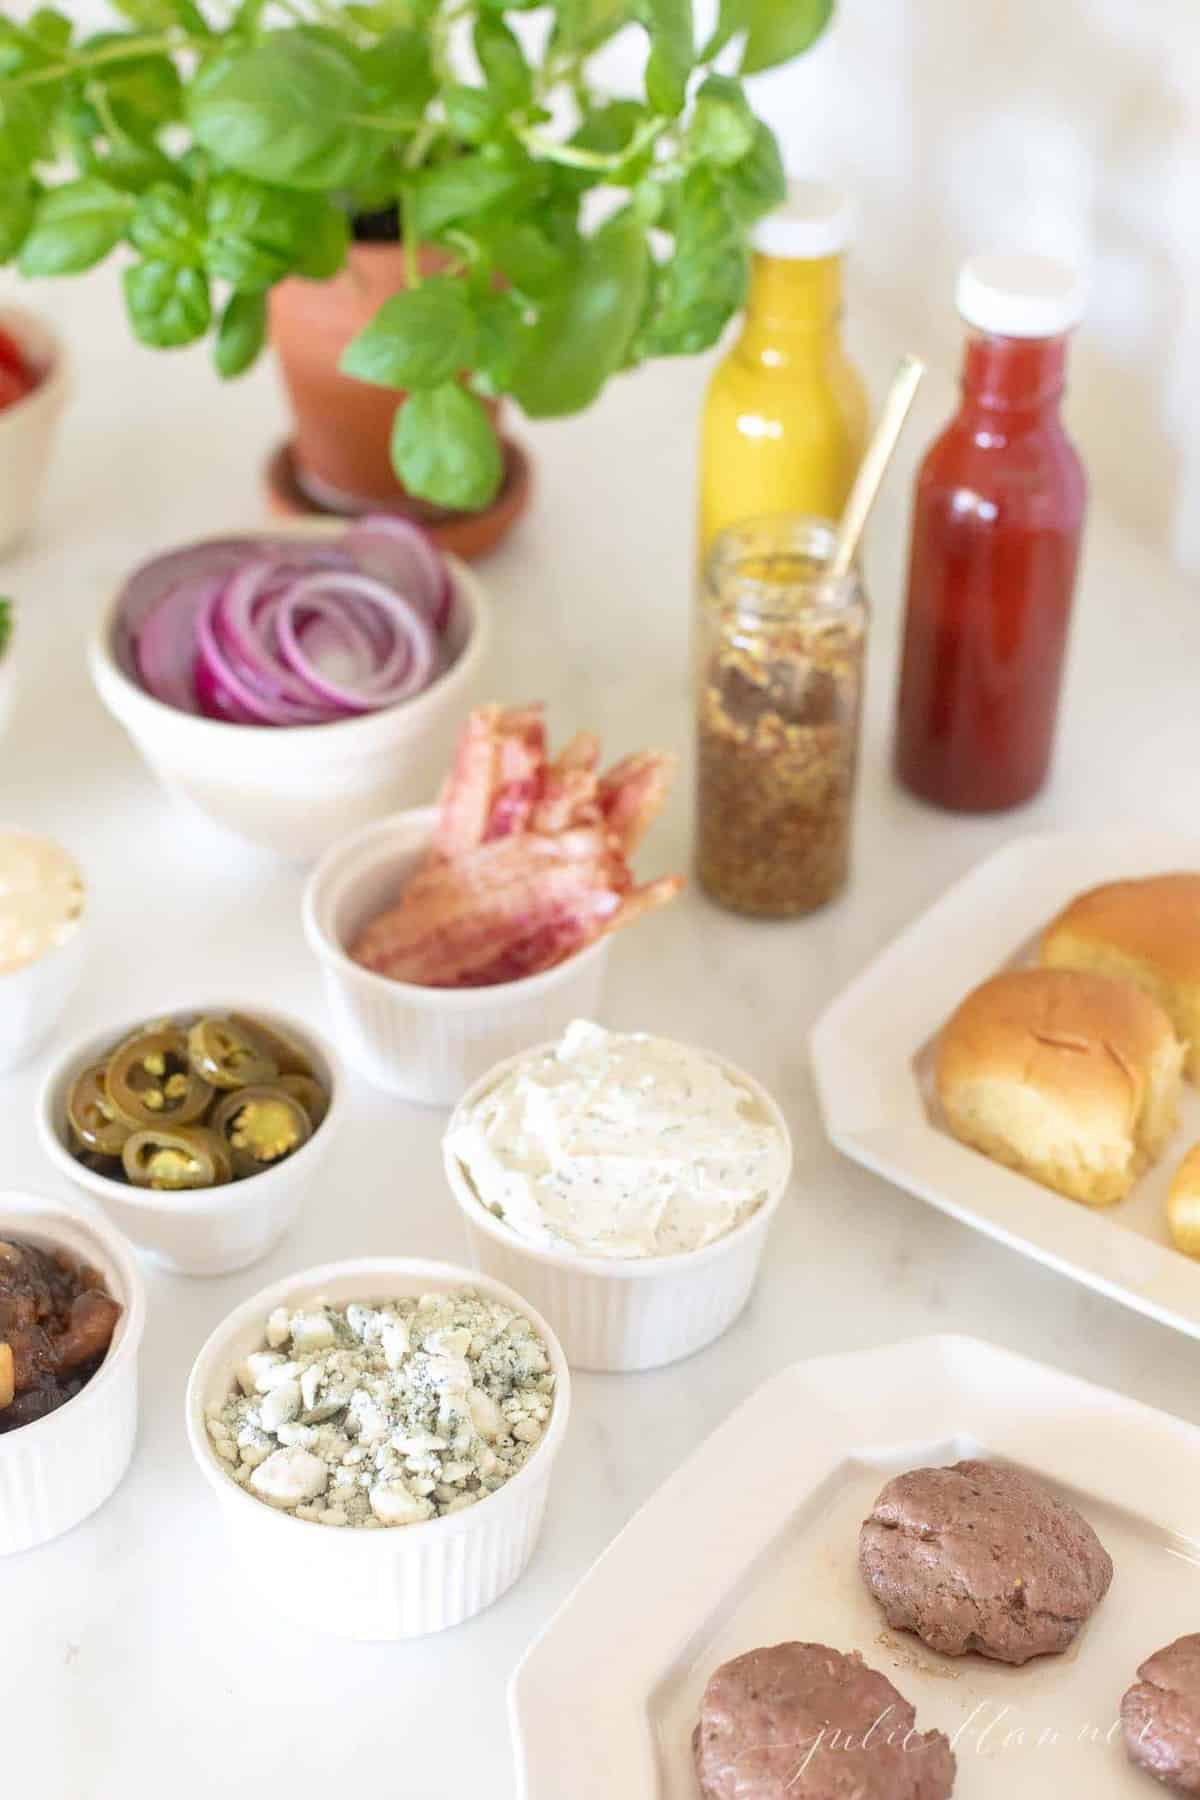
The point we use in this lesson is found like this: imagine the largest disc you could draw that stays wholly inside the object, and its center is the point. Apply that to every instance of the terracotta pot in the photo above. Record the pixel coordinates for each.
(340, 451)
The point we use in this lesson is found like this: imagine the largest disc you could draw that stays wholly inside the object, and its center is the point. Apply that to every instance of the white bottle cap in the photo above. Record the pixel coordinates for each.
(814, 221)
(1021, 296)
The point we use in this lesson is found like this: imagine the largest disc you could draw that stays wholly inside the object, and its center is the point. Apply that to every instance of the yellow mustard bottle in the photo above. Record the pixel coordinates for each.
(785, 420)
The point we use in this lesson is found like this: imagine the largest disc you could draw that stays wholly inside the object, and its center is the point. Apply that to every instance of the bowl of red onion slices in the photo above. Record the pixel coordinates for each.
(295, 683)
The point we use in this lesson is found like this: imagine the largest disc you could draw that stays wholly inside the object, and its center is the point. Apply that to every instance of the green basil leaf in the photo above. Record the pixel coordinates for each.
(324, 252)
(499, 339)
(167, 227)
(779, 30)
(288, 111)
(672, 53)
(399, 73)
(703, 285)
(157, 15)
(776, 30)
(584, 330)
(52, 28)
(401, 15)
(256, 234)
(75, 226)
(16, 216)
(22, 130)
(418, 339)
(133, 167)
(468, 184)
(583, 25)
(525, 256)
(758, 183)
(144, 93)
(503, 62)
(471, 112)
(240, 335)
(722, 126)
(444, 448)
(168, 306)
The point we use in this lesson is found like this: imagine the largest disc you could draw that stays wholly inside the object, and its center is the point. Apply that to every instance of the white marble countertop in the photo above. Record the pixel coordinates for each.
(129, 1660)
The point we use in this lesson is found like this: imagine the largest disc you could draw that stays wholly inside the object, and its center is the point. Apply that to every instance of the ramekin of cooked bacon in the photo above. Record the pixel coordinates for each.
(454, 935)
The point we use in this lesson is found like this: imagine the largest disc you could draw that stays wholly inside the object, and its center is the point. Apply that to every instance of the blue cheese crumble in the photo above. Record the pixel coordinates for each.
(385, 1414)
(619, 1145)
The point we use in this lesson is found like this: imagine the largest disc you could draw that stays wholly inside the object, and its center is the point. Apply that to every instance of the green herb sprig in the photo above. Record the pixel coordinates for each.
(221, 146)
(6, 625)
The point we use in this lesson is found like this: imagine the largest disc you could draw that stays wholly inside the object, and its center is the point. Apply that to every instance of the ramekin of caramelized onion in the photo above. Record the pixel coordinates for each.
(198, 1131)
(72, 1308)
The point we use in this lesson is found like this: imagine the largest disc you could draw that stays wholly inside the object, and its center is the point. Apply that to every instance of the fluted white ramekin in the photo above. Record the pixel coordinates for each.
(405, 1581)
(58, 1470)
(197, 1231)
(34, 997)
(425, 1044)
(616, 1315)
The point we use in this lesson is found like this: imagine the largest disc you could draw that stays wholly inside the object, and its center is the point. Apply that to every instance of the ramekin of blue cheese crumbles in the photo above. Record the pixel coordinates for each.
(383, 1414)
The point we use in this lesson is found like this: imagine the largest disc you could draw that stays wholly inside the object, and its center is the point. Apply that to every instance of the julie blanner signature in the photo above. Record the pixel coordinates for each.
(987, 1730)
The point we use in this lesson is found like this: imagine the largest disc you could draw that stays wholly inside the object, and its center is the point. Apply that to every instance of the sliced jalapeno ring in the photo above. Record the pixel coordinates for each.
(309, 1092)
(261, 1125)
(227, 1056)
(92, 1120)
(289, 1057)
(172, 1157)
(149, 1080)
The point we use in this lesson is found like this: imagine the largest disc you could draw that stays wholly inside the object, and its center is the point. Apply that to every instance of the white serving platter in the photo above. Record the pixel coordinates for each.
(754, 1542)
(871, 1052)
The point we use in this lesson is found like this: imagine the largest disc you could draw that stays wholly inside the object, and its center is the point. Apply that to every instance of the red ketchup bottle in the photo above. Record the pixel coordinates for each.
(997, 526)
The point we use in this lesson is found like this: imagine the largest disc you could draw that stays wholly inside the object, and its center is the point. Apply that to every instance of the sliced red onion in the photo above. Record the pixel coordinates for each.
(279, 632)
(402, 555)
(405, 673)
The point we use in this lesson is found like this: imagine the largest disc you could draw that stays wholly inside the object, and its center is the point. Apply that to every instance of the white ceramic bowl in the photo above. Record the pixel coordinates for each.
(201, 1231)
(297, 789)
(27, 429)
(400, 1583)
(34, 998)
(426, 1044)
(617, 1314)
(58, 1470)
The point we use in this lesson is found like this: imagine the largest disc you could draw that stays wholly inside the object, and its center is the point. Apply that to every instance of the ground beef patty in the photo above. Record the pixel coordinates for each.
(802, 1722)
(1160, 1715)
(979, 1557)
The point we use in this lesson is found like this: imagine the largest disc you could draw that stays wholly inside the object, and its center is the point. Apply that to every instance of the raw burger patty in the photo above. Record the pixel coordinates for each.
(979, 1557)
(1160, 1715)
(801, 1722)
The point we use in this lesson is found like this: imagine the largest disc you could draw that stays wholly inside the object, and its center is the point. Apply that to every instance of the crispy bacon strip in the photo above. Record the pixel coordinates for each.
(632, 793)
(529, 862)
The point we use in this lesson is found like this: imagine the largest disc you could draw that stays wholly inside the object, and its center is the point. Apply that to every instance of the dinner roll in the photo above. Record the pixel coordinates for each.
(1145, 931)
(1183, 1204)
(1071, 1078)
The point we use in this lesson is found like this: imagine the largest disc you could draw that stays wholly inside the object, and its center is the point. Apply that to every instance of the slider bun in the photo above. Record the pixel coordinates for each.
(1183, 1204)
(1067, 1077)
(1144, 931)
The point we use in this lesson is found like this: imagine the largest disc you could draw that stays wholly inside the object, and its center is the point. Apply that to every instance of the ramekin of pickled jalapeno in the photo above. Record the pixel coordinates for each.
(171, 1123)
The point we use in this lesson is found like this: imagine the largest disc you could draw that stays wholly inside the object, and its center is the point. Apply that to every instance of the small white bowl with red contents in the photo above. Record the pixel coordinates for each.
(297, 788)
(29, 417)
(55, 1471)
(425, 1043)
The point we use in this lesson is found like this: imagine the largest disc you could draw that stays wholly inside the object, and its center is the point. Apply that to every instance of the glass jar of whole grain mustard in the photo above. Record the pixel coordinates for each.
(781, 657)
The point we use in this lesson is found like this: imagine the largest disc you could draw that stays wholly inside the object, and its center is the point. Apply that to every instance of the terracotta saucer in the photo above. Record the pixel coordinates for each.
(469, 535)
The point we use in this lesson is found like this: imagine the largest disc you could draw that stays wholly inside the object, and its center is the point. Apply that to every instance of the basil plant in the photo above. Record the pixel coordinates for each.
(220, 146)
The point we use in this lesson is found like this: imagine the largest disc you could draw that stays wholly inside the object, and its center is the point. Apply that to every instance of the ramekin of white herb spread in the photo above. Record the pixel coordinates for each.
(625, 1183)
(381, 1436)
